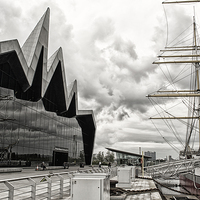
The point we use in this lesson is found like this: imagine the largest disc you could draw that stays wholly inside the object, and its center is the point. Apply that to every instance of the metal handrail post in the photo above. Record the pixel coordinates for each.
(61, 185)
(33, 188)
(49, 183)
(11, 190)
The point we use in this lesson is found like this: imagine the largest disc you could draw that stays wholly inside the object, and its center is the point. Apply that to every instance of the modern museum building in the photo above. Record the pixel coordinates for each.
(39, 116)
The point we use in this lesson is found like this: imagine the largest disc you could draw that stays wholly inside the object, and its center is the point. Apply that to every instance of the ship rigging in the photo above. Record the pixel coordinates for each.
(181, 56)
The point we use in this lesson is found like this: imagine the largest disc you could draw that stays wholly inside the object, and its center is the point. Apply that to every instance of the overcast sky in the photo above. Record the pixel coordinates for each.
(108, 47)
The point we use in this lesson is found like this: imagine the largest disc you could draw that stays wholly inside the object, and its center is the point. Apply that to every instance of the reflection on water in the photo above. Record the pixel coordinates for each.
(170, 187)
(171, 192)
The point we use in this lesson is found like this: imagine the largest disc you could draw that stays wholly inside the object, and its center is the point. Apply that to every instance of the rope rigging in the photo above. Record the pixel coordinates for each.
(178, 78)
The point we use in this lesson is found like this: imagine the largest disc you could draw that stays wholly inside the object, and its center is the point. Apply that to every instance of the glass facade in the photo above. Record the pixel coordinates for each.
(130, 159)
(126, 159)
(31, 134)
(39, 115)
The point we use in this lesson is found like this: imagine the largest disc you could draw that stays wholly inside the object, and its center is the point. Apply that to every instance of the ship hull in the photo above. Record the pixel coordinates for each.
(191, 183)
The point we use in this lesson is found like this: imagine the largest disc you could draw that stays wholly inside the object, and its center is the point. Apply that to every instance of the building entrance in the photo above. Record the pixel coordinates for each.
(60, 155)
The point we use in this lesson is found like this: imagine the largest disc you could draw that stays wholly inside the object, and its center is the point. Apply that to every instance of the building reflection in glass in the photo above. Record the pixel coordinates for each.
(29, 133)
(127, 159)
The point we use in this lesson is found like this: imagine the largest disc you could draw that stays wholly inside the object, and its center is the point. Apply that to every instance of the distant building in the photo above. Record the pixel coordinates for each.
(39, 117)
(151, 154)
(140, 150)
(128, 158)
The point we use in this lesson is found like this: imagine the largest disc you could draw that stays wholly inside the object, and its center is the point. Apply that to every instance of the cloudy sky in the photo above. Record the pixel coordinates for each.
(109, 47)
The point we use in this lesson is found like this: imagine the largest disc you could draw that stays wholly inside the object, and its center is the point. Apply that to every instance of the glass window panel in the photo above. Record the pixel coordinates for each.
(37, 130)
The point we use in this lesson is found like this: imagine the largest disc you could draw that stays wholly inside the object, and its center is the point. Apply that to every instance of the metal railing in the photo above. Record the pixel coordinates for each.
(172, 169)
(48, 186)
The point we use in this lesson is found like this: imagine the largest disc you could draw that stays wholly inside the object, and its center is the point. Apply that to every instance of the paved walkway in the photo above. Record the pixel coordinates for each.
(137, 184)
(30, 171)
(23, 185)
(140, 189)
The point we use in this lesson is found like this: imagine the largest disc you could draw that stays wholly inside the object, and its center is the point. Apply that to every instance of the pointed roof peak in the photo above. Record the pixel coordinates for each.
(39, 33)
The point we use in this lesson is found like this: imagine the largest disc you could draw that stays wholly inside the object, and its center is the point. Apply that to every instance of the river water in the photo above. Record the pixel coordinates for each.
(172, 184)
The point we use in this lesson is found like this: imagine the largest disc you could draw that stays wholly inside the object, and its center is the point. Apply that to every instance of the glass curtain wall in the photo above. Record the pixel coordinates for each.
(29, 133)
(127, 159)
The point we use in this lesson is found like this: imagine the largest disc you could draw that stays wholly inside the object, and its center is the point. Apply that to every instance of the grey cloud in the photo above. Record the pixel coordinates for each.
(106, 140)
(122, 115)
(113, 113)
(135, 137)
(123, 55)
(126, 47)
(94, 67)
(112, 137)
(110, 92)
(107, 87)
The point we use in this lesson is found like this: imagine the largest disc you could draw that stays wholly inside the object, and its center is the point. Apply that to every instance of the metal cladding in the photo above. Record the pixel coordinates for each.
(36, 77)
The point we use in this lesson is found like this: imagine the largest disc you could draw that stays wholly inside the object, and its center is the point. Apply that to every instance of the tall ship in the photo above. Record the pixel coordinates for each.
(177, 102)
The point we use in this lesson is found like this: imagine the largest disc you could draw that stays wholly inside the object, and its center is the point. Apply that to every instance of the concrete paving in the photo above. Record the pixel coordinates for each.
(137, 191)
(30, 171)
(138, 184)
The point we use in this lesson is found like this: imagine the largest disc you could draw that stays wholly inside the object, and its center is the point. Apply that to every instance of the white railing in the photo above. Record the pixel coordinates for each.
(172, 169)
(48, 186)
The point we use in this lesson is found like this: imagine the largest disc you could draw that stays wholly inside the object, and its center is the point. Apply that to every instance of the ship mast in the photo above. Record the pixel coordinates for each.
(197, 74)
(195, 60)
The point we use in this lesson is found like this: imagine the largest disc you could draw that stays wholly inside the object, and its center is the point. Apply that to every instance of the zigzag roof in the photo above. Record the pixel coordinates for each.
(40, 78)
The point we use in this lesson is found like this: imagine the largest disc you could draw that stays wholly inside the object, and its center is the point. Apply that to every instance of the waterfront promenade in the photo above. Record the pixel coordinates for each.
(47, 184)
(32, 184)
(50, 188)
(30, 171)
(55, 184)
